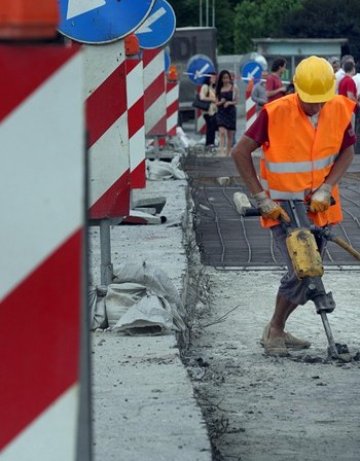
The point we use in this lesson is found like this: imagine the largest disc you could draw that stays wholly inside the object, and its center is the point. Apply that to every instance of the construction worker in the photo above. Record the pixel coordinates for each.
(307, 145)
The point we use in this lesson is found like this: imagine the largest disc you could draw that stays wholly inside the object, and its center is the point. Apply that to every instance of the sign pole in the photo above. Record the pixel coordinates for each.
(105, 248)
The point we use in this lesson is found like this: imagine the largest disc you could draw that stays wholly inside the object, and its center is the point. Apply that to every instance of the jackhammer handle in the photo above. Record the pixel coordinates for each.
(346, 246)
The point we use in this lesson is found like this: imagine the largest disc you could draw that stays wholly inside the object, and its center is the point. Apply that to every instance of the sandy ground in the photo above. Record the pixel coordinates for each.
(259, 408)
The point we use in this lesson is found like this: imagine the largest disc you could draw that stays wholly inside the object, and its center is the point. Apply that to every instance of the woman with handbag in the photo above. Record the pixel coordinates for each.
(227, 96)
(207, 93)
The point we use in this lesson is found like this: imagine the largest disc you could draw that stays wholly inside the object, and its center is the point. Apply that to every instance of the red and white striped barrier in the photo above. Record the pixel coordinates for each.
(136, 121)
(172, 107)
(250, 105)
(200, 124)
(42, 181)
(154, 92)
(107, 124)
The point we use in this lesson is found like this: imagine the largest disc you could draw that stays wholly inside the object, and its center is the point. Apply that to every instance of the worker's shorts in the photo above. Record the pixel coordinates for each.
(291, 287)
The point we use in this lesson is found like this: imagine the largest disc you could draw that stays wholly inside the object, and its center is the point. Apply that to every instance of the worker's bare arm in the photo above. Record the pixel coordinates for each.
(241, 154)
(340, 166)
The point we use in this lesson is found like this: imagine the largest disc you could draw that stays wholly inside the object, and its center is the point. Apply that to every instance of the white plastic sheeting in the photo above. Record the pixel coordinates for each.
(141, 300)
(158, 169)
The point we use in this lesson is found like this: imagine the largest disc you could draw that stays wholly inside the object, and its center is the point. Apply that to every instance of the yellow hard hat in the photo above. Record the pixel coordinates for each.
(314, 80)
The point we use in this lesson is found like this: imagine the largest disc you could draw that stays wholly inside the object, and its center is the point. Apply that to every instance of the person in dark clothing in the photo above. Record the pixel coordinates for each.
(227, 96)
(207, 93)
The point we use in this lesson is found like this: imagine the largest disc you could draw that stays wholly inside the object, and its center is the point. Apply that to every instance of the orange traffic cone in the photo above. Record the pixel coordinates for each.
(132, 46)
(22, 19)
(172, 74)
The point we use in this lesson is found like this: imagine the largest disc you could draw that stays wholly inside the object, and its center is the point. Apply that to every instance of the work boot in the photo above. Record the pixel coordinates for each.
(294, 343)
(275, 345)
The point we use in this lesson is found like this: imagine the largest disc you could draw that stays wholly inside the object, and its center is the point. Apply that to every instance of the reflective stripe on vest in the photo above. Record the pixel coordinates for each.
(301, 167)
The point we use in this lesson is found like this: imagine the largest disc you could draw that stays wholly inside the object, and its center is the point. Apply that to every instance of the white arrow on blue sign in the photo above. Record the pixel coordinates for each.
(198, 68)
(251, 70)
(101, 21)
(158, 27)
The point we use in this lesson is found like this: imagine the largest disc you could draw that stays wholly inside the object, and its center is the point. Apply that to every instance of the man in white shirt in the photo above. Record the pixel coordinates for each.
(356, 79)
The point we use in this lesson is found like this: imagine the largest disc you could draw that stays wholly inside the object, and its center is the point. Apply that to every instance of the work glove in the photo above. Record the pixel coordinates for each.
(321, 198)
(270, 209)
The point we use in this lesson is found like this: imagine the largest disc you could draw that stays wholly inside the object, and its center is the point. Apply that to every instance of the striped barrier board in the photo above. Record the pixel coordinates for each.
(136, 121)
(154, 92)
(107, 126)
(200, 124)
(172, 107)
(42, 180)
(250, 105)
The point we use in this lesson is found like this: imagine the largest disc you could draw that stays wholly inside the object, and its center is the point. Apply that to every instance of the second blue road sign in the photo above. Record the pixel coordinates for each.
(251, 70)
(198, 68)
(159, 26)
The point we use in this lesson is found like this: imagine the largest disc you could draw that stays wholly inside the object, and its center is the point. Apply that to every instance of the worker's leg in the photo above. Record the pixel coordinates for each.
(292, 293)
(283, 309)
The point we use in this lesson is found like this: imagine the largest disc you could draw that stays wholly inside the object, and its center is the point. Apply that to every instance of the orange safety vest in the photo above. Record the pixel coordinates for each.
(297, 157)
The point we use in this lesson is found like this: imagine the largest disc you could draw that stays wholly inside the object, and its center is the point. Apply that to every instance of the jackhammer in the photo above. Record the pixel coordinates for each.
(307, 261)
(308, 265)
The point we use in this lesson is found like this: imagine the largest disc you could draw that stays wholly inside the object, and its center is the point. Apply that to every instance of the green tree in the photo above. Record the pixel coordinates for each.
(238, 21)
(260, 18)
(186, 12)
(225, 25)
(327, 19)
(187, 15)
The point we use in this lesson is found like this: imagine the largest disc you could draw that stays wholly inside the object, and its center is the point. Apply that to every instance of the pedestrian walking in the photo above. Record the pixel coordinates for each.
(335, 63)
(347, 85)
(356, 79)
(258, 93)
(207, 93)
(274, 86)
(308, 144)
(227, 97)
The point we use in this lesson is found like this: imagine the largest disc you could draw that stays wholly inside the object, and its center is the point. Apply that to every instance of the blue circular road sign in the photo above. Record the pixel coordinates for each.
(251, 70)
(159, 26)
(101, 21)
(198, 68)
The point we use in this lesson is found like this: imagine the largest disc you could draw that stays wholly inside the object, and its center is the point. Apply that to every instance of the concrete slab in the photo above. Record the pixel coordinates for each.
(143, 402)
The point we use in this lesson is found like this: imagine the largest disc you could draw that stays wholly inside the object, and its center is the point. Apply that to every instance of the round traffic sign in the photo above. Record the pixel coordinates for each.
(101, 21)
(252, 70)
(199, 67)
(158, 27)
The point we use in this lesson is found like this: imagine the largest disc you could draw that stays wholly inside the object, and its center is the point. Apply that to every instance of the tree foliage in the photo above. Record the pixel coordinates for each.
(260, 18)
(327, 19)
(238, 21)
(187, 14)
